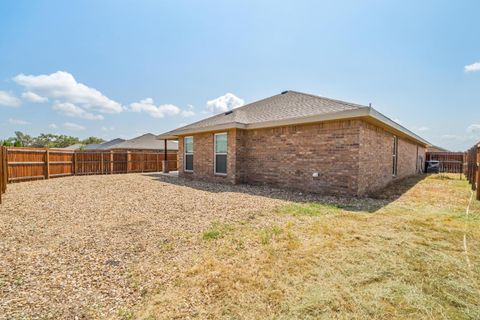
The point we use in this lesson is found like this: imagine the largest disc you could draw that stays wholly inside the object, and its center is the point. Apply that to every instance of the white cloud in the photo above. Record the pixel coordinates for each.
(423, 129)
(224, 103)
(106, 129)
(9, 100)
(473, 128)
(63, 87)
(73, 126)
(33, 97)
(52, 126)
(18, 122)
(71, 110)
(474, 67)
(189, 112)
(147, 105)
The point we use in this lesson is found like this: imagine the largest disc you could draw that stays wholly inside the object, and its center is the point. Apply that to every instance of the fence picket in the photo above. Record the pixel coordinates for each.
(34, 163)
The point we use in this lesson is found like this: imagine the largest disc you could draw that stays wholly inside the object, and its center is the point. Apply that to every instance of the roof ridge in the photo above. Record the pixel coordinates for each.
(330, 99)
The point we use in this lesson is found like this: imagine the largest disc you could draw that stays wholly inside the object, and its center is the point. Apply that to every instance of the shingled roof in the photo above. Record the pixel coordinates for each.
(287, 108)
(146, 141)
(104, 146)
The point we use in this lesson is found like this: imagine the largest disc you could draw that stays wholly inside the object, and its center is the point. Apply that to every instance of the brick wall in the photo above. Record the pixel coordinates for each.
(376, 145)
(289, 156)
(351, 157)
(203, 158)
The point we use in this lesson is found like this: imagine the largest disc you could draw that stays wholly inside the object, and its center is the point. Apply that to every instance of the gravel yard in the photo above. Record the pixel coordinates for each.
(147, 246)
(90, 247)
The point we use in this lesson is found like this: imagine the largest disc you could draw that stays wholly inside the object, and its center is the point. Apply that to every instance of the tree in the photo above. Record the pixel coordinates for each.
(22, 140)
(93, 140)
(46, 140)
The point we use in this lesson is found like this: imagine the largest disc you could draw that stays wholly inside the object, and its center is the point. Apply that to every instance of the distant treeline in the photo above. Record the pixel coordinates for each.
(46, 140)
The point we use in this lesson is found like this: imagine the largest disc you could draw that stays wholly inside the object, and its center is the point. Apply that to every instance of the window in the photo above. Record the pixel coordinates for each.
(188, 145)
(220, 153)
(394, 156)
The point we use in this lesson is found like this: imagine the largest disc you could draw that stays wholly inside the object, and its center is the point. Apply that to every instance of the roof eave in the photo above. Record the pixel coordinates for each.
(392, 124)
(341, 115)
(177, 133)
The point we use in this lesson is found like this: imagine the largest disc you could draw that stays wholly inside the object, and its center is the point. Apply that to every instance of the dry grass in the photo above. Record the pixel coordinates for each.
(140, 246)
(318, 261)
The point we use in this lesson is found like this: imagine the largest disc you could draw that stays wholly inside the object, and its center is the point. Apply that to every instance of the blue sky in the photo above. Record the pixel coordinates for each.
(123, 68)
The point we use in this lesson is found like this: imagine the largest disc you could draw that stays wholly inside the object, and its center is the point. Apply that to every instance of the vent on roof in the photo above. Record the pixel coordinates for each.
(228, 112)
(286, 91)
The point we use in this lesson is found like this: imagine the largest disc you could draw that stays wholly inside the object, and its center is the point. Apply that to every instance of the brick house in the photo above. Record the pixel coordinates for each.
(300, 141)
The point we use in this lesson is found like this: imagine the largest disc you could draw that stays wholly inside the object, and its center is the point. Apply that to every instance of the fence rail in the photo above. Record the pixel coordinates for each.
(472, 171)
(21, 164)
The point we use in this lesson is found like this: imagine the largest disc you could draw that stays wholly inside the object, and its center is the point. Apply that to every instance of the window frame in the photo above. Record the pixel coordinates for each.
(395, 156)
(185, 154)
(215, 153)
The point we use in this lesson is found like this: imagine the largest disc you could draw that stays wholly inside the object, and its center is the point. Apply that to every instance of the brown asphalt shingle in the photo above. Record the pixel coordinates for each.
(288, 105)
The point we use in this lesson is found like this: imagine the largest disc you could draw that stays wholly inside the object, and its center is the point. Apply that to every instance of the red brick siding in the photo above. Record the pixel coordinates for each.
(376, 145)
(351, 157)
(288, 157)
(203, 157)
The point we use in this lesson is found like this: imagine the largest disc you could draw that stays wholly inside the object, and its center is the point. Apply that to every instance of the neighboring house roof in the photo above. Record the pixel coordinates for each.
(104, 146)
(76, 146)
(289, 108)
(146, 142)
(92, 146)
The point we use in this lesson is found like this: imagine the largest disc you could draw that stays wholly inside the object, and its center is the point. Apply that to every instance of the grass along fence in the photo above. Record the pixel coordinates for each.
(23, 164)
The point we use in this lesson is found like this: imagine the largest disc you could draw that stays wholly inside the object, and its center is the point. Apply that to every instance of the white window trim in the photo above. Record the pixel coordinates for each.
(215, 153)
(185, 154)
(395, 157)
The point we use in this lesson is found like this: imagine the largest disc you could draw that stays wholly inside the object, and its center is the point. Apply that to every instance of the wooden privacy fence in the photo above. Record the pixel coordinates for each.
(451, 162)
(30, 163)
(3, 171)
(472, 169)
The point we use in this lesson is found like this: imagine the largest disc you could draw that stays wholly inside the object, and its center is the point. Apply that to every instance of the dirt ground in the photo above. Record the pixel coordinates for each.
(87, 246)
(153, 247)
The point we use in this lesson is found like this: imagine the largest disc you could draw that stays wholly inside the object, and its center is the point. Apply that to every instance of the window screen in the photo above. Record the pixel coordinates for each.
(221, 153)
(188, 142)
(394, 156)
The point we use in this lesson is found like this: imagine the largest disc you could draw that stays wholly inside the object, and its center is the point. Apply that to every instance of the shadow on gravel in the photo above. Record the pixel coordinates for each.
(370, 204)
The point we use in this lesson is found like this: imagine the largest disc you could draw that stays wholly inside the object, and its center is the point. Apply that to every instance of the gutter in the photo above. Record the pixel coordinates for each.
(365, 112)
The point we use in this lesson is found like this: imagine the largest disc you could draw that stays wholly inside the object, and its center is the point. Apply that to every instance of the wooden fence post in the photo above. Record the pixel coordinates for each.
(47, 164)
(477, 163)
(75, 163)
(101, 162)
(111, 162)
(5, 168)
(1, 173)
(129, 159)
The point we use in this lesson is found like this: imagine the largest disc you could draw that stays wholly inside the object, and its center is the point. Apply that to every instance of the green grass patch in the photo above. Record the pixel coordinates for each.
(216, 231)
(309, 209)
(267, 234)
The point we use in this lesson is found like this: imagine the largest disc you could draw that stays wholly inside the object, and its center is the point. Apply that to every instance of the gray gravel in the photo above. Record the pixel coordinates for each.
(93, 246)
